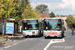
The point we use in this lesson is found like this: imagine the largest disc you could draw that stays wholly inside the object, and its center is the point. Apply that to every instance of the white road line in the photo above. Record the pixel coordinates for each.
(63, 40)
(13, 44)
(1, 49)
(51, 42)
(8, 46)
(48, 45)
(59, 41)
(10, 43)
(17, 43)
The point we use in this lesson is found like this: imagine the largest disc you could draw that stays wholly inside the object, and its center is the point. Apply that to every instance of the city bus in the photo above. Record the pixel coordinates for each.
(30, 27)
(53, 27)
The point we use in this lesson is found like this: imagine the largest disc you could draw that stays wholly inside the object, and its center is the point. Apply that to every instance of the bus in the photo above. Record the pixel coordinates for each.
(30, 27)
(53, 27)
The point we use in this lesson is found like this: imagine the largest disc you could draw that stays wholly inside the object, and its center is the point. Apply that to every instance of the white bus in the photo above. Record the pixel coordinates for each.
(53, 27)
(30, 27)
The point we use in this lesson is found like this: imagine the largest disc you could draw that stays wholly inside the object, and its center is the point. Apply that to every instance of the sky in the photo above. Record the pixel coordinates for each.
(64, 7)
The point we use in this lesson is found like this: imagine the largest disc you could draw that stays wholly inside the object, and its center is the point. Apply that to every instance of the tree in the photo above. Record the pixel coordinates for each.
(52, 14)
(21, 4)
(29, 13)
(70, 19)
(8, 8)
(15, 9)
(42, 8)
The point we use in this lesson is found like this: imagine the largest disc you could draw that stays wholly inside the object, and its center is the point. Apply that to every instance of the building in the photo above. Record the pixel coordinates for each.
(42, 16)
(63, 17)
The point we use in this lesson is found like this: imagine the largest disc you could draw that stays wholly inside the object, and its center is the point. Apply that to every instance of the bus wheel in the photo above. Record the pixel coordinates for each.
(25, 36)
(62, 36)
(45, 37)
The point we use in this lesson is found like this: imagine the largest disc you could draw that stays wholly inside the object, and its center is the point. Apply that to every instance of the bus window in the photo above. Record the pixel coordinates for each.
(30, 25)
(52, 24)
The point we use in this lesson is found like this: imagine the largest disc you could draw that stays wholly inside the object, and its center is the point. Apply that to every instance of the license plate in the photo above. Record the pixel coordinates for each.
(52, 33)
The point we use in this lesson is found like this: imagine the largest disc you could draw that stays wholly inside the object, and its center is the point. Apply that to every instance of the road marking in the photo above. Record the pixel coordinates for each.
(48, 45)
(10, 43)
(63, 40)
(51, 42)
(18, 43)
(1, 49)
(8, 46)
(15, 44)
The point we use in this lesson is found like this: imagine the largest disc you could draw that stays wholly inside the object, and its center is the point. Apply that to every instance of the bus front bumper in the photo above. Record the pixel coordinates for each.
(58, 35)
(30, 33)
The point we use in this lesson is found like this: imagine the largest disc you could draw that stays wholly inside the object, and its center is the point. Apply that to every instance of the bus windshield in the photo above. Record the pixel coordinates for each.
(30, 24)
(52, 24)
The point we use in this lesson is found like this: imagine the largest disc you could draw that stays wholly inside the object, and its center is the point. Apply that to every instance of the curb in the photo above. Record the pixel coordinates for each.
(6, 42)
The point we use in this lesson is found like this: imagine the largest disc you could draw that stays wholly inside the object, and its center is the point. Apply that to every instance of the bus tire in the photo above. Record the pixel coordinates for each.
(62, 35)
(25, 36)
(45, 37)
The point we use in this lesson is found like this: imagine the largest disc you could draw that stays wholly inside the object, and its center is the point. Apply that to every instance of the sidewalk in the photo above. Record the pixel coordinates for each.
(14, 36)
(3, 41)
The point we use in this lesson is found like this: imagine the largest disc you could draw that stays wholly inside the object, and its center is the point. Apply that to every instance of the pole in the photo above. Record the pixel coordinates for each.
(24, 9)
(3, 24)
(3, 27)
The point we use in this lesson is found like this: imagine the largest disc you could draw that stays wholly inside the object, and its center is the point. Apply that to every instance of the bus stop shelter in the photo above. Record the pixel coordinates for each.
(10, 28)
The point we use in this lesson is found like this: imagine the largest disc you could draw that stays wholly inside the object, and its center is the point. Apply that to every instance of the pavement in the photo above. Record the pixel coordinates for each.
(40, 43)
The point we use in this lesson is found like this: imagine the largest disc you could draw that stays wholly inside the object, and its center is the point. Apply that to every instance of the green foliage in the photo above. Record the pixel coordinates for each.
(29, 13)
(70, 19)
(15, 9)
(52, 14)
(42, 8)
(40, 25)
(21, 4)
(8, 8)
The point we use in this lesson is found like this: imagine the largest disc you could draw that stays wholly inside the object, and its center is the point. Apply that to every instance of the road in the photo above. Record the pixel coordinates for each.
(39, 43)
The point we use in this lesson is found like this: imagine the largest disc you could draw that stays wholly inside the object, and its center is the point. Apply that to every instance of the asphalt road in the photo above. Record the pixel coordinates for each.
(39, 43)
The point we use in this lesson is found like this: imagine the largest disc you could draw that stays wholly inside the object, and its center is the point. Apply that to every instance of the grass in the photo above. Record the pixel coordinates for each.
(3, 39)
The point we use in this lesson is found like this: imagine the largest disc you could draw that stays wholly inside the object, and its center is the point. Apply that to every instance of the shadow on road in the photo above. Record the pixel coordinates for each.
(34, 36)
(54, 37)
